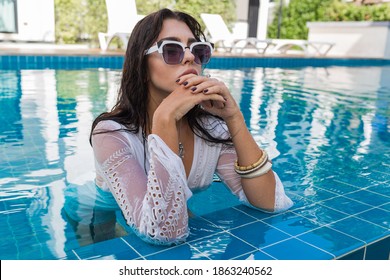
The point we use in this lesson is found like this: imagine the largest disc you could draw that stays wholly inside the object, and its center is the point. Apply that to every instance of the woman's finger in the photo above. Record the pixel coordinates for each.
(196, 83)
(190, 80)
(203, 86)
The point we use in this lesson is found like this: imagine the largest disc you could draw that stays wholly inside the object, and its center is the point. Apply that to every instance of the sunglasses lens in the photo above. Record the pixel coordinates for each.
(202, 53)
(173, 53)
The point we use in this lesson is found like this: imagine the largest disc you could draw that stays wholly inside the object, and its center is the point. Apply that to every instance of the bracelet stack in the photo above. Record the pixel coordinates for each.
(259, 168)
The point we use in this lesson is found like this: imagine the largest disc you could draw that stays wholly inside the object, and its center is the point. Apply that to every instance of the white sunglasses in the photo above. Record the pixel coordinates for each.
(173, 51)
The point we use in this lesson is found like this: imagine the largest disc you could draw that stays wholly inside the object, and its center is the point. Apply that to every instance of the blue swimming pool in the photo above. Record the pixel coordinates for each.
(325, 123)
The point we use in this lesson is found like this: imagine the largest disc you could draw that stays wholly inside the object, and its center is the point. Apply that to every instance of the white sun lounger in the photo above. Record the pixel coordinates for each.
(221, 36)
(122, 17)
(283, 46)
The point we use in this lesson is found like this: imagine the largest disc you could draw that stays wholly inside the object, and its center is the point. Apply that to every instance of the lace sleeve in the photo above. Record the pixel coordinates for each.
(153, 204)
(225, 170)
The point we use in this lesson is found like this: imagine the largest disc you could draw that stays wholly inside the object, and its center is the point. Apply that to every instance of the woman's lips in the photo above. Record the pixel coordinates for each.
(189, 71)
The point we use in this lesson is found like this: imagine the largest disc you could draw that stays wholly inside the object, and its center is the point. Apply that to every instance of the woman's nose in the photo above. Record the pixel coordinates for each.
(188, 56)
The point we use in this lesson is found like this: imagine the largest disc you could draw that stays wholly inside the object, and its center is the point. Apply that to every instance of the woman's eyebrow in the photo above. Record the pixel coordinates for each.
(170, 39)
(189, 41)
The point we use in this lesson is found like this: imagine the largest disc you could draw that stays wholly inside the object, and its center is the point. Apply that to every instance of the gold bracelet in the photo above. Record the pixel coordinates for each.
(260, 172)
(239, 172)
(261, 161)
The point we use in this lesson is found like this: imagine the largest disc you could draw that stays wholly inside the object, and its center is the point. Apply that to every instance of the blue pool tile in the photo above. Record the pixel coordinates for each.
(120, 255)
(383, 166)
(335, 186)
(256, 214)
(38, 254)
(289, 175)
(228, 218)
(41, 62)
(14, 60)
(216, 197)
(385, 207)
(368, 197)
(259, 234)
(291, 223)
(4, 61)
(358, 181)
(107, 249)
(360, 229)
(346, 205)
(355, 255)
(143, 248)
(383, 189)
(294, 249)
(69, 256)
(256, 255)
(298, 199)
(380, 177)
(377, 216)
(180, 252)
(320, 214)
(200, 228)
(317, 194)
(18, 245)
(222, 246)
(331, 241)
(379, 250)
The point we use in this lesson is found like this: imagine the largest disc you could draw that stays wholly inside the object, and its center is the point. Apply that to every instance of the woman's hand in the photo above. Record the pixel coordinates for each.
(187, 94)
(192, 90)
(206, 88)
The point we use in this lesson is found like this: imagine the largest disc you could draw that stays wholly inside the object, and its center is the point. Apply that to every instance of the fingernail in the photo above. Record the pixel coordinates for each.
(193, 88)
(178, 80)
(185, 83)
(206, 90)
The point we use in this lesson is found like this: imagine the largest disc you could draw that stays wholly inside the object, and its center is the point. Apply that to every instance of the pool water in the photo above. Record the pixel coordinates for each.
(326, 128)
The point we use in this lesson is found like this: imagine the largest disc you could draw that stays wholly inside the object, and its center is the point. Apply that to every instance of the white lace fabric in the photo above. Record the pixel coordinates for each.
(154, 203)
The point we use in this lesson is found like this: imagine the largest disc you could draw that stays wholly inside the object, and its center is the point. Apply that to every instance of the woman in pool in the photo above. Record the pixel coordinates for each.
(171, 129)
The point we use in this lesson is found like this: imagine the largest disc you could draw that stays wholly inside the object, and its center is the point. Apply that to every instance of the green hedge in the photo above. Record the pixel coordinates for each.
(80, 21)
(339, 11)
(68, 19)
(299, 12)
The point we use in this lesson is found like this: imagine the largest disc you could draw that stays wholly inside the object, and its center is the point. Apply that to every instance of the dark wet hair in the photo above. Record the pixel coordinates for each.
(130, 109)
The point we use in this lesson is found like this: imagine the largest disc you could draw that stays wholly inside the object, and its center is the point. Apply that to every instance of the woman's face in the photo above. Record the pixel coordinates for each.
(162, 77)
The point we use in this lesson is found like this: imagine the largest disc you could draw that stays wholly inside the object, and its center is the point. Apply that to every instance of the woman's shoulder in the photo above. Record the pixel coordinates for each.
(110, 128)
(108, 125)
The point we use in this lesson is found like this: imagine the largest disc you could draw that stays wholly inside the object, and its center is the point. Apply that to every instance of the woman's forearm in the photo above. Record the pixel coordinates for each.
(260, 190)
(164, 125)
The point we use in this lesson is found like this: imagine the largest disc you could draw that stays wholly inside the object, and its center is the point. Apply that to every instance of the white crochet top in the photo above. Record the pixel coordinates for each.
(154, 203)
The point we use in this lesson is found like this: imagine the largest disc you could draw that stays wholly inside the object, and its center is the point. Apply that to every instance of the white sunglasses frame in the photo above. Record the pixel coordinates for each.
(192, 45)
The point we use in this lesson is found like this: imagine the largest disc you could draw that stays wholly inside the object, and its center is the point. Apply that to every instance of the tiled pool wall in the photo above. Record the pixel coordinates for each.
(116, 62)
(376, 250)
(212, 239)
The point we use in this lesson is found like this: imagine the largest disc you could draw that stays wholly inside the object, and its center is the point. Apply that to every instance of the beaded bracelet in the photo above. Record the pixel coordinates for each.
(261, 161)
(239, 172)
(266, 167)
